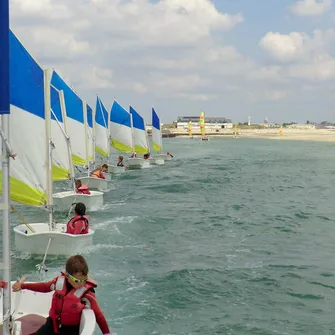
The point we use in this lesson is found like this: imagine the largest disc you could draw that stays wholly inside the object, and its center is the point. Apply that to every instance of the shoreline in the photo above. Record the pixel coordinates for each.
(319, 135)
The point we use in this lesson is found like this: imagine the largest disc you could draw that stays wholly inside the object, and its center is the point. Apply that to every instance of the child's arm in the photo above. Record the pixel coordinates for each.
(101, 320)
(36, 287)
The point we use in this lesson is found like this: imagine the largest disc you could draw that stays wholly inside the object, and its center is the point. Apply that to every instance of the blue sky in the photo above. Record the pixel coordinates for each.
(232, 58)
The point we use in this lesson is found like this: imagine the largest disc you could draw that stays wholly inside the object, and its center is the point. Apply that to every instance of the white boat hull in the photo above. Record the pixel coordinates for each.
(165, 157)
(61, 243)
(94, 183)
(64, 200)
(116, 169)
(30, 310)
(156, 160)
(138, 163)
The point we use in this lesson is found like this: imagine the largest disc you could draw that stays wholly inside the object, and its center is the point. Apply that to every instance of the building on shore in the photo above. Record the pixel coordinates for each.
(211, 122)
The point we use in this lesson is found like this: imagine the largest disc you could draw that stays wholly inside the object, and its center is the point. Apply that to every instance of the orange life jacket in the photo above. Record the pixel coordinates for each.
(98, 174)
(65, 308)
(71, 225)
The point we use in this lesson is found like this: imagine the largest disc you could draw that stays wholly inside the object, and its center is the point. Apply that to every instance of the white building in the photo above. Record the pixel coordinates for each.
(211, 123)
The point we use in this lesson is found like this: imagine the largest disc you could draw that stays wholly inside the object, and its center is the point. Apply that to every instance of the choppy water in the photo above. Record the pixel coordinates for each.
(232, 237)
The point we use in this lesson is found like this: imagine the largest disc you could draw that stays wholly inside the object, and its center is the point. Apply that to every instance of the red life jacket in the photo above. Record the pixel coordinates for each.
(81, 220)
(65, 308)
(98, 174)
(83, 189)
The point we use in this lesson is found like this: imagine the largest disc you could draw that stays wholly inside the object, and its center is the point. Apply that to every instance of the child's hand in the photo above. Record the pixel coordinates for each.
(16, 287)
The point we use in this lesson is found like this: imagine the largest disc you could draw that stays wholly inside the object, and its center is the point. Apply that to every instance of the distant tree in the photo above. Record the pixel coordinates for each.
(307, 122)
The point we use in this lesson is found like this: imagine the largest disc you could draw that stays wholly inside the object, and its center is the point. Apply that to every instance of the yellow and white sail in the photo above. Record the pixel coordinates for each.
(189, 128)
(202, 124)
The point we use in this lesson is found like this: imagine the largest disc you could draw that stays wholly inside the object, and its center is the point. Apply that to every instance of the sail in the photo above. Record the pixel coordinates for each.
(60, 156)
(28, 182)
(156, 132)
(189, 128)
(120, 128)
(89, 134)
(140, 135)
(75, 119)
(202, 124)
(101, 129)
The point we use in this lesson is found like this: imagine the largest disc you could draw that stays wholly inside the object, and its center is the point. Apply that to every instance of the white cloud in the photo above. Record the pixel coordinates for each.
(166, 52)
(311, 7)
(284, 47)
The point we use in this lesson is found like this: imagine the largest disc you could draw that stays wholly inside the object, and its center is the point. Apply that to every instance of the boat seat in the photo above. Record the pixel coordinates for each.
(31, 323)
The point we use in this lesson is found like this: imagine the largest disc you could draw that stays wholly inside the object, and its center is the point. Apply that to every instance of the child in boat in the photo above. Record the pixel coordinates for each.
(169, 154)
(120, 161)
(82, 188)
(99, 171)
(79, 224)
(74, 291)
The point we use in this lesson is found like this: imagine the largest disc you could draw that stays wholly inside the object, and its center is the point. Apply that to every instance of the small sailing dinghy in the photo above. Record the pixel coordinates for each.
(140, 141)
(103, 139)
(31, 172)
(24, 312)
(92, 182)
(75, 111)
(204, 137)
(157, 143)
(122, 135)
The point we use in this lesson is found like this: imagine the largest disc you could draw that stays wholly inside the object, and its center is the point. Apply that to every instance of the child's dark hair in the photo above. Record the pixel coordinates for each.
(80, 208)
(76, 264)
(105, 166)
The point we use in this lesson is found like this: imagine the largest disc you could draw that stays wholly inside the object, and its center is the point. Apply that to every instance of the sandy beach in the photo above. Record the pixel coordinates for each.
(324, 135)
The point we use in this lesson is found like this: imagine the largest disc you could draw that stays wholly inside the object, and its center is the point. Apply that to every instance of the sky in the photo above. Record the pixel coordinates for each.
(229, 58)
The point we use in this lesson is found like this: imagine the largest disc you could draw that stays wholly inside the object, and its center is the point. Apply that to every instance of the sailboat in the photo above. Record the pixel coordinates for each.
(202, 127)
(23, 312)
(140, 140)
(31, 173)
(189, 129)
(74, 111)
(102, 136)
(121, 131)
(157, 143)
(93, 183)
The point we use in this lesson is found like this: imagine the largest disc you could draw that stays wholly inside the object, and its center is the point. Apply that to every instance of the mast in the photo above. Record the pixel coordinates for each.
(86, 137)
(94, 111)
(69, 149)
(109, 134)
(49, 145)
(4, 110)
(132, 133)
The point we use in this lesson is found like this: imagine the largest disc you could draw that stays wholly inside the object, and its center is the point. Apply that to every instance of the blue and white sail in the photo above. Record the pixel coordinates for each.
(102, 142)
(156, 132)
(121, 129)
(75, 119)
(89, 135)
(139, 133)
(28, 182)
(61, 167)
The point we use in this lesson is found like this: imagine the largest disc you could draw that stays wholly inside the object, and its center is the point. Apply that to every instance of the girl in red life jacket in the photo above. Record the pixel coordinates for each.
(82, 188)
(79, 224)
(74, 291)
